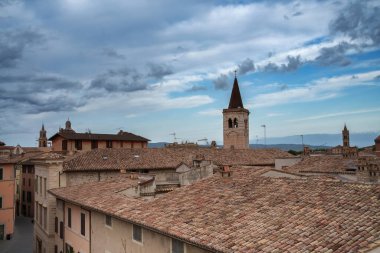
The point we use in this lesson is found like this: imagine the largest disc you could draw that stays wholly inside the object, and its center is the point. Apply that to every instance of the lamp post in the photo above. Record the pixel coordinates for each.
(265, 134)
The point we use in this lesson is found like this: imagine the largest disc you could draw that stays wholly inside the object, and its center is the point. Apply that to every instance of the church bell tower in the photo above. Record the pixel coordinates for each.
(42, 141)
(235, 121)
(346, 137)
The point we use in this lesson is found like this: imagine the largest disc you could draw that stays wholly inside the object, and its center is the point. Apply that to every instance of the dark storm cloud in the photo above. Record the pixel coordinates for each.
(197, 88)
(110, 52)
(13, 44)
(38, 93)
(335, 55)
(298, 13)
(246, 66)
(221, 83)
(36, 103)
(119, 80)
(38, 83)
(359, 19)
(294, 62)
(158, 71)
(7, 2)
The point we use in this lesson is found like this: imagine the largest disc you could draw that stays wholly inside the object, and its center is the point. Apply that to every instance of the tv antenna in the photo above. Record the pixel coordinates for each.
(205, 140)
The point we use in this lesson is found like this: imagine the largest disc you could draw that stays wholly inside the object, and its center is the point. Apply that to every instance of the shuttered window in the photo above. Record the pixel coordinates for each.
(83, 224)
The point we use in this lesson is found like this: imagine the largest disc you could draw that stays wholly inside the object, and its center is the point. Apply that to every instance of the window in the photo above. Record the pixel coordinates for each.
(36, 208)
(177, 246)
(94, 144)
(40, 207)
(69, 249)
(36, 184)
(1, 202)
(69, 217)
(55, 249)
(61, 230)
(229, 123)
(108, 220)
(64, 145)
(83, 224)
(23, 196)
(56, 225)
(29, 196)
(78, 144)
(45, 217)
(1, 173)
(40, 186)
(45, 187)
(137, 233)
(109, 144)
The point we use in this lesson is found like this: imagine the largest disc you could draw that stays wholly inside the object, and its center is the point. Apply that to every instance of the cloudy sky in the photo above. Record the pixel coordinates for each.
(158, 67)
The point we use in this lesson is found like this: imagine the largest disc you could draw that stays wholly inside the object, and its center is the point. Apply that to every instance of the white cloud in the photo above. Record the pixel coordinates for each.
(211, 112)
(321, 89)
(337, 114)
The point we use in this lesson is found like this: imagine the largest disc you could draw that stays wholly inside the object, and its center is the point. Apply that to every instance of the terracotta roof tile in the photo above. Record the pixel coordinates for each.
(160, 158)
(324, 164)
(249, 213)
(121, 136)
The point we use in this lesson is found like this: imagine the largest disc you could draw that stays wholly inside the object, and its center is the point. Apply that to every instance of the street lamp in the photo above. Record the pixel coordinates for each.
(265, 134)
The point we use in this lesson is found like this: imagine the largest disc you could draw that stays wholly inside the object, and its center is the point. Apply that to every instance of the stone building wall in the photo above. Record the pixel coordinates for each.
(236, 137)
(118, 238)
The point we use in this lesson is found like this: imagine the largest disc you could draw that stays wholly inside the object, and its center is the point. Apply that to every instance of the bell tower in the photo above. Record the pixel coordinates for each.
(235, 121)
(346, 136)
(42, 141)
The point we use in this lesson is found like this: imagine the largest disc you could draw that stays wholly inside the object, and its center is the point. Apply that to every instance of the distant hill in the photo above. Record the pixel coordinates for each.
(314, 141)
(286, 147)
(157, 144)
(356, 139)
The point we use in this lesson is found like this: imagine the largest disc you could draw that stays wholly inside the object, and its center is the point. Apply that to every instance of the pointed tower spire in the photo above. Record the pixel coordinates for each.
(235, 100)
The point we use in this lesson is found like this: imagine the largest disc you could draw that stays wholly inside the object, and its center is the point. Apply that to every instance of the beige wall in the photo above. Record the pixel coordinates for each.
(106, 239)
(7, 192)
(73, 235)
(281, 163)
(48, 170)
(86, 144)
(236, 137)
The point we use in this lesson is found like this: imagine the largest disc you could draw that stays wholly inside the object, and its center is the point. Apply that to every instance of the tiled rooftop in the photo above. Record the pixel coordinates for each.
(324, 164)
(160, 158)
(101, 195)
(19, 158)
(249, 213)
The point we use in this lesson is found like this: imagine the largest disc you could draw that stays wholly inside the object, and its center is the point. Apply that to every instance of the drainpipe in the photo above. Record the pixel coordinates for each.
(90, 232)
(64, 222)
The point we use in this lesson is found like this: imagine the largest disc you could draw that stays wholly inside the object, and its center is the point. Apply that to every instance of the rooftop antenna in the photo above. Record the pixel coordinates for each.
(235, 72)
(174, 136)
(205, 140)
(265, 134)
(302, 140)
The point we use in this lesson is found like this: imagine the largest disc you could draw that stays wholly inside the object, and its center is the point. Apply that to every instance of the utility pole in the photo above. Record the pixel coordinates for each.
(303, 146)
(265, 134)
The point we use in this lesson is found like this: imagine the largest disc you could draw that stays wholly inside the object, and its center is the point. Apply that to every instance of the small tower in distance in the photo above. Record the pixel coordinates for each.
(42, 141)
(235, 121)
(346, 136)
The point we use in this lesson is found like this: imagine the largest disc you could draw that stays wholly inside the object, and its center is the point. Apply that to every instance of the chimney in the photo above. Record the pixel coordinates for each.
(226, 172)
(134, 176)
